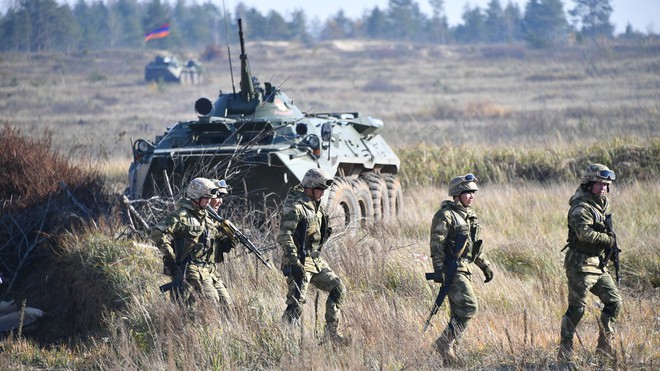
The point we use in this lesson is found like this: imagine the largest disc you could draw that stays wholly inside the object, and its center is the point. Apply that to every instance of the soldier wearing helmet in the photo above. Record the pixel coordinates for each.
(303, 230)
(186, 239)
(221, 190)
(588, 242)
(223, 240)
(456, 221)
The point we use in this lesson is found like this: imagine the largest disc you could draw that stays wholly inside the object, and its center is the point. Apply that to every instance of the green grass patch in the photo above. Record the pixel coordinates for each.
(520, 262)
(425, 165)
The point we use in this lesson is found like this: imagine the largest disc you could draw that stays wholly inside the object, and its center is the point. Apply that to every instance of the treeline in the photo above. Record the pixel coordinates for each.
(45, 25)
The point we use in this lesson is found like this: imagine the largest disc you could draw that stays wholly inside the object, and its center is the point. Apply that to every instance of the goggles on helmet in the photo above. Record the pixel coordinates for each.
(607, 174)
(470, 178)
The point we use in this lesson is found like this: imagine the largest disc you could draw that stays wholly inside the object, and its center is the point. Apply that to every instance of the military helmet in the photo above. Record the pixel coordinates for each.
(317, 178)
(463, 183)
(221, 186)
(201, 188)
(598, 173)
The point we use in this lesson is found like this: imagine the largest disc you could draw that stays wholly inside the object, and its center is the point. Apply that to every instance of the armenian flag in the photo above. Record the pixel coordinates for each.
(159, 33)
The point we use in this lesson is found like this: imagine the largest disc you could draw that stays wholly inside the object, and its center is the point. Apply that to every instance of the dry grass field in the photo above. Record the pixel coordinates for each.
(506, 96)
(466, 104)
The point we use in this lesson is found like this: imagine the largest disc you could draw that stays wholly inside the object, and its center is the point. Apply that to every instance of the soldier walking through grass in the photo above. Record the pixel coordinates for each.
(303, 230)
(589, 241)
(455, 244)
(187, 238)
(223, 241)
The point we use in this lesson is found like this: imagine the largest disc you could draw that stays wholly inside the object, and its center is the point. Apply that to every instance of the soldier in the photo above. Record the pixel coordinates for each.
(303, 230)
(185, 237)
(223, 240)
(588, 241)
(456, 223)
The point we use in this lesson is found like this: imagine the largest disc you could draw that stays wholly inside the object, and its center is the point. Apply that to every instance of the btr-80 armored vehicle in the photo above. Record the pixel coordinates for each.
(170, 69)
(262, 144)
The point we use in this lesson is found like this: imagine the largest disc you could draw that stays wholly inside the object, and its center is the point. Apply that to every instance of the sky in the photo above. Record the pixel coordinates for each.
(643, 15)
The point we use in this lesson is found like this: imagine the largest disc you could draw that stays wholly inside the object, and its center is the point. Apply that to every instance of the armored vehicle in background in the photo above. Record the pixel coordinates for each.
(170, 69)
(263, 144)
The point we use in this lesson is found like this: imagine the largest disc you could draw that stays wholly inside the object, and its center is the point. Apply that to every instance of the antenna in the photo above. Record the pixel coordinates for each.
(231, 70)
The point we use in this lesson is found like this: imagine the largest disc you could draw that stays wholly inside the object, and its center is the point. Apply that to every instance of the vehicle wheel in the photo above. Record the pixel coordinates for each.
(379, 196)
(365, 203)
(395, 195)
(343, 208)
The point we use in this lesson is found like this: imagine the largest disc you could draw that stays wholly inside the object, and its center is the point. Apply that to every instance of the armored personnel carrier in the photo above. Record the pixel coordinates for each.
(262, 144)
(170, 69)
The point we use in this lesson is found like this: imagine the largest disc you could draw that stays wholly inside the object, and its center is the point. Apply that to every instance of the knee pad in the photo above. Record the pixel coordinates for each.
(574, 314)
(612, 309)
(338, 293)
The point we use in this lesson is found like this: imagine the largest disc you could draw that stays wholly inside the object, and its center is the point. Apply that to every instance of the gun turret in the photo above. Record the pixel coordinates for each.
(247, 87)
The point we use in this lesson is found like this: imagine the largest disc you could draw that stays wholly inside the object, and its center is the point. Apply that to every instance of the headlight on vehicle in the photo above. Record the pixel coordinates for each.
(141, 148)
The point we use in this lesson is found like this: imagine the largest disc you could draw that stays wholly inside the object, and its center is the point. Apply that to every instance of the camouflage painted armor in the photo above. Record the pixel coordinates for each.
(297, 207)
(189, 238)
(588, 241)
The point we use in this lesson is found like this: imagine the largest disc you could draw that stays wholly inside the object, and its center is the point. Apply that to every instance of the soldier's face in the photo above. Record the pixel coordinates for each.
(599, 189)
(317, 193)
(216, 203)
(466, 198)
(202, 202)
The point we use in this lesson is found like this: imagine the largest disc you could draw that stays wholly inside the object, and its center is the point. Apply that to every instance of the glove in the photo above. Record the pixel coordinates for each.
(439, 276)
(169, 266)
(226, 244)
(488, 273)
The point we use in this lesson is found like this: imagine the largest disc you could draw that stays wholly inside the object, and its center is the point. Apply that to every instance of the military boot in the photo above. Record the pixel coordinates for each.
(565, 353)
(292, 314)
(445, 347)
(336, 337)
(604, 346)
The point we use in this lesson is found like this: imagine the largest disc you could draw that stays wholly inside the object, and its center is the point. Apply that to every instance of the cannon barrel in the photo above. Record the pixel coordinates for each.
(247, 87)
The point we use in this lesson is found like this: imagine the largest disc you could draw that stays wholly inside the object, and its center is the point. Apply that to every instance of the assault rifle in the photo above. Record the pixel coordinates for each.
(239, 235)
(451, 265)
(298, 277)
(177, 282)
(613, 254)
(181, 266)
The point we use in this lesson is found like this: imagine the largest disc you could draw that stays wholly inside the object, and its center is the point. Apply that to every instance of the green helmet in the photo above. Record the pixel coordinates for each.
(201, 188)
(464, 183)
(317, 178)
(598, 173)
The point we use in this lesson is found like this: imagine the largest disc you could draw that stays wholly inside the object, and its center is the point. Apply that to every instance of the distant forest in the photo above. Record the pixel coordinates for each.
(46, 25)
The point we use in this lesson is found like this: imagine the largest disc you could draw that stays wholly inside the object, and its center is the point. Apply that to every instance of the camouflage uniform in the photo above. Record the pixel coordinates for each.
(299, 207)
(588, 241)
(452, 219)
(223, 242)
(189, 240)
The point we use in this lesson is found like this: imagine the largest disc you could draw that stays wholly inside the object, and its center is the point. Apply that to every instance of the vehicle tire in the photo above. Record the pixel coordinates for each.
(379, 196)
(395, 195)
(365, 203)
(343, 208)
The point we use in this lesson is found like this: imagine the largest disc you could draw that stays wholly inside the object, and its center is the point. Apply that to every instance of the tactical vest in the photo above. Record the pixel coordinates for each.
(587, 248)
(195, 243)
(471, 230)
(317, 230)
